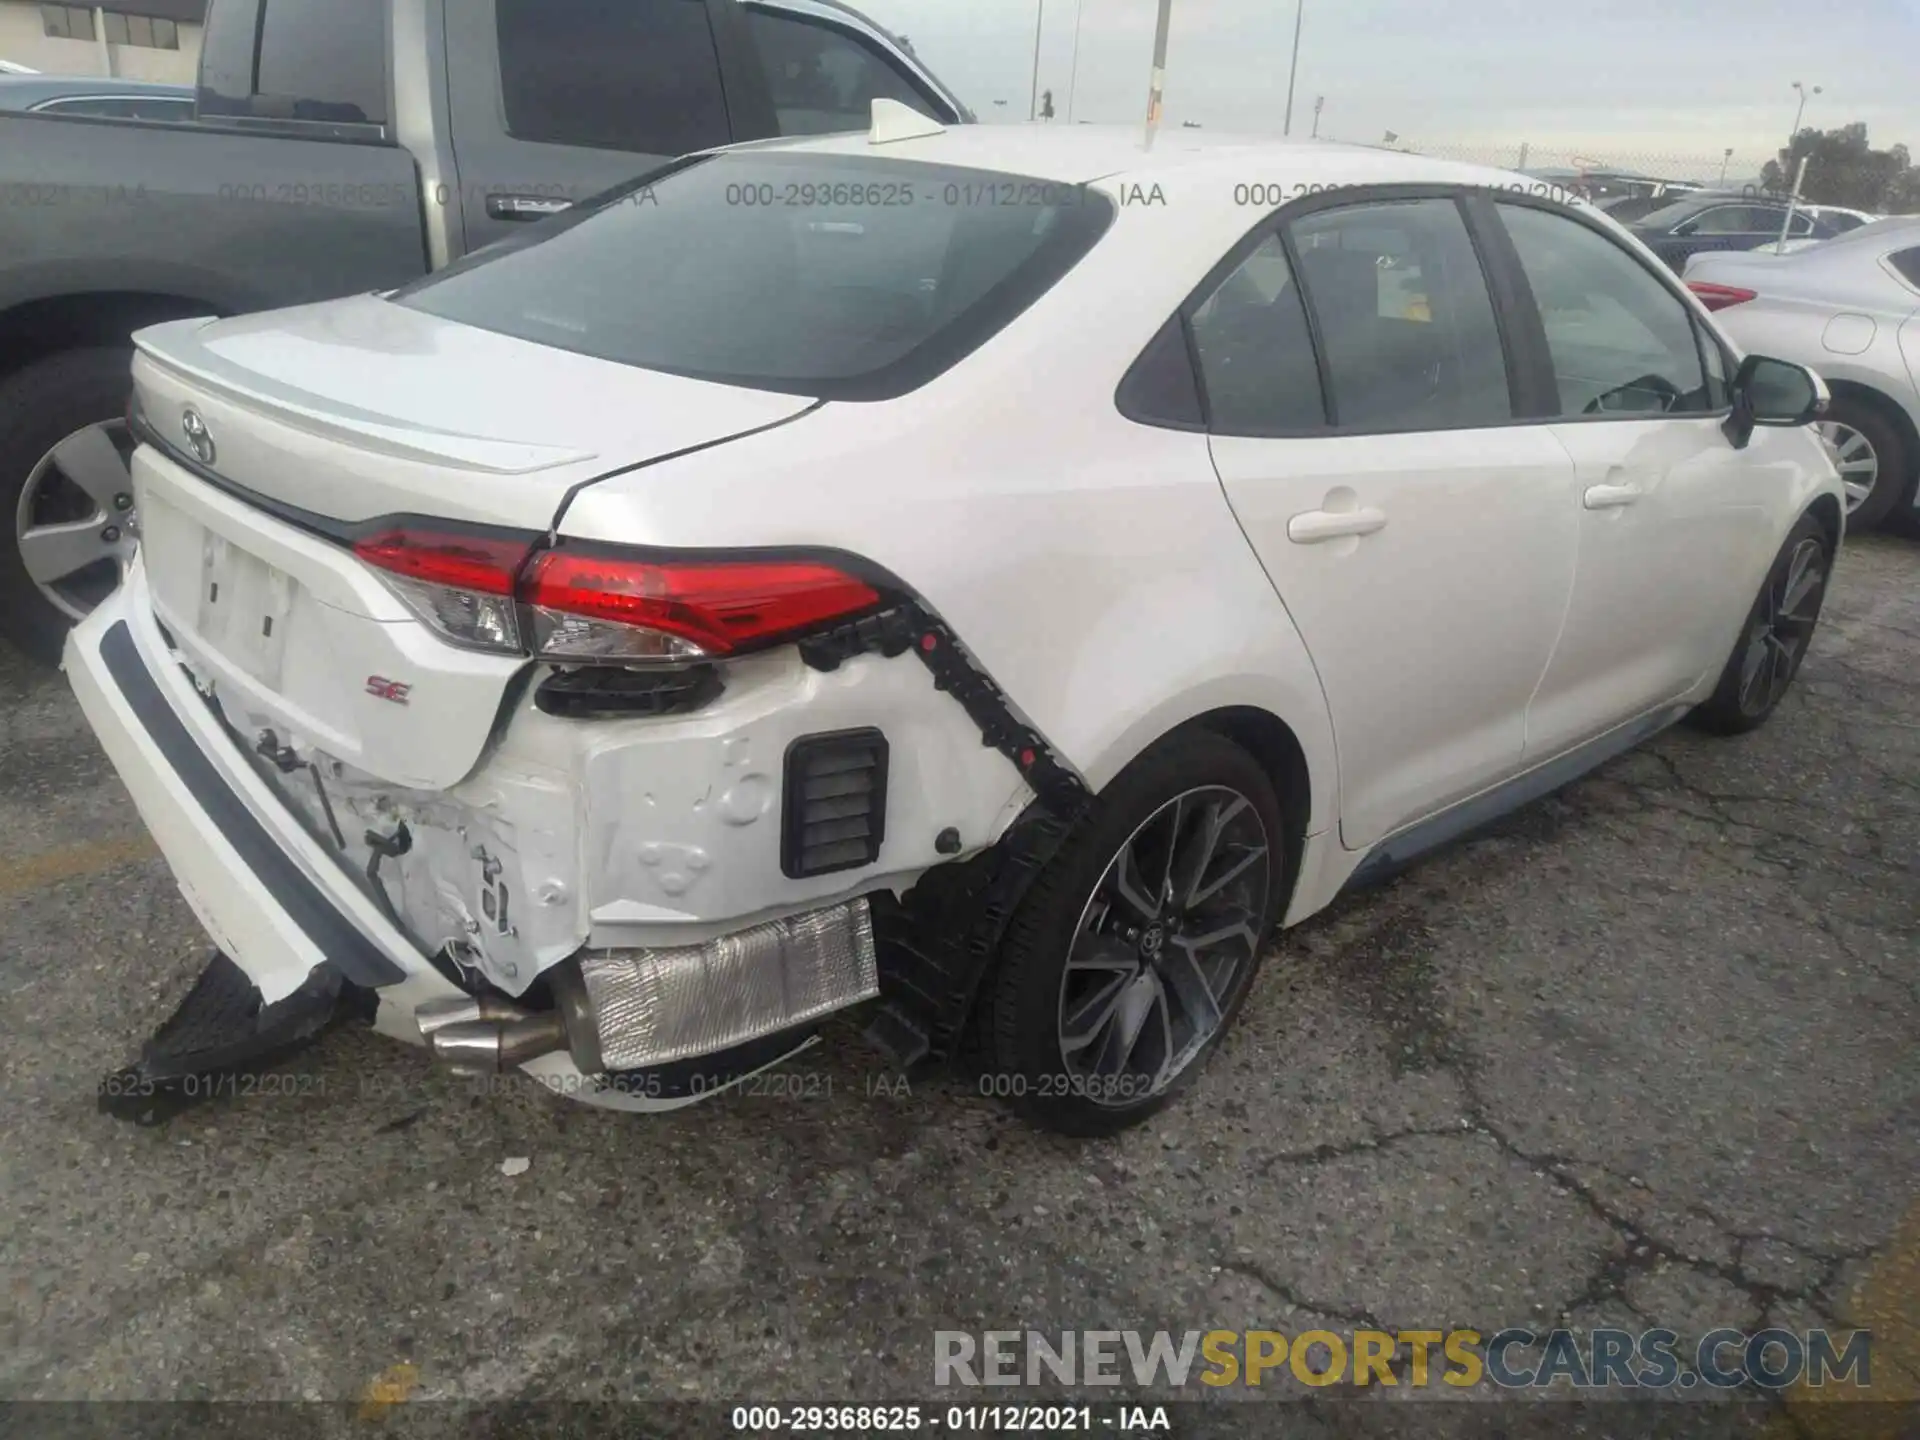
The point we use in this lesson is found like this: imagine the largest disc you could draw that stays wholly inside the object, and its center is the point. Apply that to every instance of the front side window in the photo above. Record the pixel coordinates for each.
(1405, 321)
(641, 76)
(1255, 353)
(844, 277)
(822, 79)
(1621, 342)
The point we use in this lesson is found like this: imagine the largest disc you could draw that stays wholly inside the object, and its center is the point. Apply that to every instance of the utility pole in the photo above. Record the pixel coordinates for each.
(1039, 19)
(1802, 110)
(1293, 68)
(1073, 70)
(1793, 201)
(1522, 164)
(1157, 79)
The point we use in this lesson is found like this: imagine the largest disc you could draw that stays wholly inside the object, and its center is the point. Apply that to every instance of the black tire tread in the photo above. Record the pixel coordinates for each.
(1171, 764)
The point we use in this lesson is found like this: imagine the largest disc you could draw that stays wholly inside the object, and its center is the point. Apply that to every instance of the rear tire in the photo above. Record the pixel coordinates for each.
(1098, 1045)
(1892, 458)
(41, 406)
(1775, 637)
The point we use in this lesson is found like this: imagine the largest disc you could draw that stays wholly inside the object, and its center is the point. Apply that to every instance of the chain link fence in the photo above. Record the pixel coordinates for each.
(1603, 173)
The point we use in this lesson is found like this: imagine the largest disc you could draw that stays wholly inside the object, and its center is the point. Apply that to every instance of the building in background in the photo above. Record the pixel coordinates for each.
(132, 39)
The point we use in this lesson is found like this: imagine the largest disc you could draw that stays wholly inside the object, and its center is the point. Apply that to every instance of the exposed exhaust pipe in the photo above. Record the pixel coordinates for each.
(485, 1034)
(484, 1047)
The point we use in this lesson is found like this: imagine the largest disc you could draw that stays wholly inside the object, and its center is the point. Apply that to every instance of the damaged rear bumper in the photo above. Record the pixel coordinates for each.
(670, 1025)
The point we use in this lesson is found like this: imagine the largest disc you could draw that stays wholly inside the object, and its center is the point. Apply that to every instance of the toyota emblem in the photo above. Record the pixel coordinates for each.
(199, 438)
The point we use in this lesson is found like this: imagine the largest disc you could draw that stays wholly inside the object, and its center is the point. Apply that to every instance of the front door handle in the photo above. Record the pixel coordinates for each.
(525, 207)
(1611, 497)
(1314, 526)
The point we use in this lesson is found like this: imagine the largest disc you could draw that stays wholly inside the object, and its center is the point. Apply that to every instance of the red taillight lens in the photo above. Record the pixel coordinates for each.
(460, 584)
(603, 605)
(592, 603)
(1720, 297)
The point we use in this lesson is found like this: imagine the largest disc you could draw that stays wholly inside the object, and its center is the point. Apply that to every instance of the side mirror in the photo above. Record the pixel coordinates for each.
(1773, 392)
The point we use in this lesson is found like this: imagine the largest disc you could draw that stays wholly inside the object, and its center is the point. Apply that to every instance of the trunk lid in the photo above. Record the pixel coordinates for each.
(331, 415)
(358, 408)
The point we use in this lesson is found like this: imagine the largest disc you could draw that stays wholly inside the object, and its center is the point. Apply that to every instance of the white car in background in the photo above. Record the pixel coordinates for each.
(1848, 308)
(1000, 572)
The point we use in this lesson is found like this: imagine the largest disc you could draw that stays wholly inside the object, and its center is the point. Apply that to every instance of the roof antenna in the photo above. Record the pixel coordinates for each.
(1158, 83)
(893, 121)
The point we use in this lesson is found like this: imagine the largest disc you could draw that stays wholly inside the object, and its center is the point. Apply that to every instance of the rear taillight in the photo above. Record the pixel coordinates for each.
(460, 584)
(1720, 297)
(600, 603)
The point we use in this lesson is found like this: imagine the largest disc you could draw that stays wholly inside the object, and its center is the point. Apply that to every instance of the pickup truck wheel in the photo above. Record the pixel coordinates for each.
(64, 449)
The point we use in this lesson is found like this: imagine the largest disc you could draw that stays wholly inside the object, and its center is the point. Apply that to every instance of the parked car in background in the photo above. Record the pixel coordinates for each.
(342, 146)
(1850, 309)
(963, 588)
(96, 96)
(1705, 222)
(1629, 208)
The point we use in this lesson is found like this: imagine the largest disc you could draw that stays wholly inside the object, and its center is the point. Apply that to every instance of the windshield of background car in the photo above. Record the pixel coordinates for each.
(843, 277)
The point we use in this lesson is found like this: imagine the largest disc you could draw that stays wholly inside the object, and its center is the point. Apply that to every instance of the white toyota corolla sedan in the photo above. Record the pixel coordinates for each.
(988, 577)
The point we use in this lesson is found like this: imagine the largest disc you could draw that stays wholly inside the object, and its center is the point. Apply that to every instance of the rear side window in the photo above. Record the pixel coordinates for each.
(296, 60)
(1620, 341)
(323, 62)
(635, 75)
(1255, 353)
(845, 277)
(821, 78)
(1404, 317)
(1907, 262)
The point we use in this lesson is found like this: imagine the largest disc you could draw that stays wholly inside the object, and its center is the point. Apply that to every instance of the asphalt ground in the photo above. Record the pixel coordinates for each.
(1644, 1055)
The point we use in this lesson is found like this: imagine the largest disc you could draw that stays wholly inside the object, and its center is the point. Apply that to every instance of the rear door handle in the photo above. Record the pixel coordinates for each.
(1314, 526)
(525, 207)
(1611, 497)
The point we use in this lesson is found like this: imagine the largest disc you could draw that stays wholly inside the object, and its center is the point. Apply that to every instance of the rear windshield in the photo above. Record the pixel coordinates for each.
(842, 277)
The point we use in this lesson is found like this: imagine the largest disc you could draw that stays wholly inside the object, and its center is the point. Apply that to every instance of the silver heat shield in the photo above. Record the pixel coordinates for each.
(652, 1007)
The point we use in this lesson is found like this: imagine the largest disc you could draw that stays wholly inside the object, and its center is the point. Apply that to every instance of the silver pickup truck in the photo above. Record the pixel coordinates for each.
(341, 146)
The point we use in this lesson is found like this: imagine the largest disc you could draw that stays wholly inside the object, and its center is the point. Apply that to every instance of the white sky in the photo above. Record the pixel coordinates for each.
(1616, 80)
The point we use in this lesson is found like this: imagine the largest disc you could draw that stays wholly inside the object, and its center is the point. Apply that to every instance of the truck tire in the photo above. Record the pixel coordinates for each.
(65, 488)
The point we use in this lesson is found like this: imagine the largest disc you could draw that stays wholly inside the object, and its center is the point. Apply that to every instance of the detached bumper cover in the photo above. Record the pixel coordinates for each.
(263, 891)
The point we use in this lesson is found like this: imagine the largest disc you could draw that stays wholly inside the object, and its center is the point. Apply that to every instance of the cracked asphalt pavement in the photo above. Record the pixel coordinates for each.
(1644, 1054)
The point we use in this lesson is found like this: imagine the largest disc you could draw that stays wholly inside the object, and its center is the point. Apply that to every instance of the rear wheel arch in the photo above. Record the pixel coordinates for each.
(1272, 742)
(34, 329)
(1826, 510)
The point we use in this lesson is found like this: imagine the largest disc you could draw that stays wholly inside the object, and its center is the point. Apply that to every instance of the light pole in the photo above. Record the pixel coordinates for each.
(1725, 160)
(1039, 19)
(1073, 70)
(1319, 103)
(1157, 77)
(1293, 66)
(1795, 134)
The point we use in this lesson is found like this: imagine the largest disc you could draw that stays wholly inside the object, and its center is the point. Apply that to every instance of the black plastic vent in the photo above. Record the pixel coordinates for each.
(601, 692)
(834, 810)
